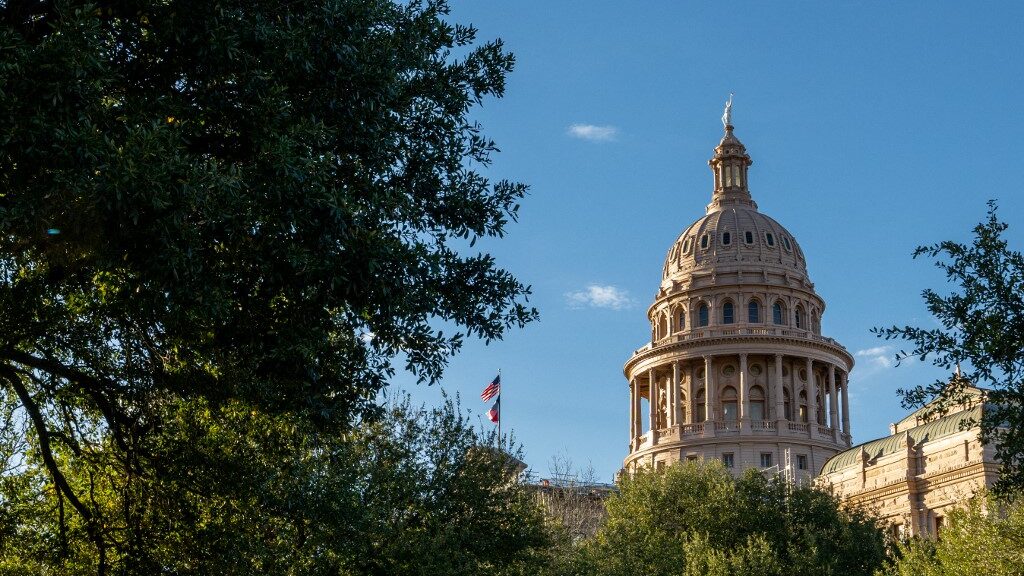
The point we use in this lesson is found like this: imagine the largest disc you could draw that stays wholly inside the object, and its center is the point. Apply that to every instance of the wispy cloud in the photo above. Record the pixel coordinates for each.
(592, 132)
(597, 296)
(879, 357)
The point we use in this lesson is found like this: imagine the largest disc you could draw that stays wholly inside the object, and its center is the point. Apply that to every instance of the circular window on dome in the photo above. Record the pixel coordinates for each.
(785, 371)
(786, 244)
(729, 370)
(749, 237)
(755, 369)
(803, 374)
(769, 238)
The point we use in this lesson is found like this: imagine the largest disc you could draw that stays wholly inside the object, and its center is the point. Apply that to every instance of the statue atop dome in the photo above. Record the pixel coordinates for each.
(727, 116)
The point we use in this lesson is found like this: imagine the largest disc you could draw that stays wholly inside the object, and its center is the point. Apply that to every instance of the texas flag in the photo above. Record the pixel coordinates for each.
(494, 414)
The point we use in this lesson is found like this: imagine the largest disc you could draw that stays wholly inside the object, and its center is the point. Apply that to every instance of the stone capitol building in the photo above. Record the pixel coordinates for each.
(737, 370)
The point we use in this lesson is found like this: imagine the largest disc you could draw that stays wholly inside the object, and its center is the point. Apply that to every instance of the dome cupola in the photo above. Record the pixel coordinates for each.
(729, 165)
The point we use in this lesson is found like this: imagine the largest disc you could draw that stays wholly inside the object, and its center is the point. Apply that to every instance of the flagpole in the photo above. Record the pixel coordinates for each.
(500, 410)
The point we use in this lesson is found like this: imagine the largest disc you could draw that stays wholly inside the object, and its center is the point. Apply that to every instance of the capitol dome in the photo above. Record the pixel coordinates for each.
(737, 368)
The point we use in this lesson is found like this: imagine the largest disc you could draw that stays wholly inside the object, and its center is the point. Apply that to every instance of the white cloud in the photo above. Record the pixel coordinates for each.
(597, 296)
(879, 357)
(592, 132)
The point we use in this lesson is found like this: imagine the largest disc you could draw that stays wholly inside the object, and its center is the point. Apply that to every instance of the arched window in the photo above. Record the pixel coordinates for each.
(729, 405)
(777, 315)
(704, 242)
(769, 238)
(799, 317)
(682, 321)
(726, 238)
(727, 313)
(815, 322)
(803, 406)
(754, 312)
(702, 315)
(787, 404)
(663, 327)
(701, 412)
(749, 237)
(756, 403)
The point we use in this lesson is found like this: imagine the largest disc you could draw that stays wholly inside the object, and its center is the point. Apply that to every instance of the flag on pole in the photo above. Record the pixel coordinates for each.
(492, 390)
(494, 414)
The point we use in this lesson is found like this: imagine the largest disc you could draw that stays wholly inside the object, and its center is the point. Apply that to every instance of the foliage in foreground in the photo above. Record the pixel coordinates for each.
(695, 518)
(222, 223)
(982, 330)
(415, 493)
(985, 538)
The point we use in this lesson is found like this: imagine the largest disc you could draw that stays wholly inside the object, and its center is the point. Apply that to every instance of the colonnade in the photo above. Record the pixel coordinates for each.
(679, 411)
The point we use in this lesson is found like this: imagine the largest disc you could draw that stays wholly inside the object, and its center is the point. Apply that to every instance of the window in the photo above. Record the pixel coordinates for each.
(777, 313)
(691, 458)
(800, 317)
(769, 238)
(727, 460)
(682, 321)
(704, 242)
(756, 403)
(701, 414)
(766, 459)
(749, 237)
(801, 461)
(726, 238)
(938, 524)
(686, 244)
(702, 315)
(736, 175)
(753, 312)
(727, 313)
(785, 242)
(787, 404)
(729, 406)
(661, 466)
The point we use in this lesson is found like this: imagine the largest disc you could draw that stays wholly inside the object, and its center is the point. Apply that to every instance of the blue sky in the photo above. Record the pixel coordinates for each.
(873, 128)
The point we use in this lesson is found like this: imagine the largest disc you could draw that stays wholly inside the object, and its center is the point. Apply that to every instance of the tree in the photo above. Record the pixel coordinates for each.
(982, 333)
(226, 205)
(985, 538)
(414, 493)
(695, 518)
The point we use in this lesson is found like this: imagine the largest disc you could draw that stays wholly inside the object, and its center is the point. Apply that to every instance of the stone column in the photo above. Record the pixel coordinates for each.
(676, 404)
(691, 400)
(744, 396)
(652, 393)
(833, 400)
(634, 410)
(812, 395)
(709, 398)
(846, 403)
(780, 394)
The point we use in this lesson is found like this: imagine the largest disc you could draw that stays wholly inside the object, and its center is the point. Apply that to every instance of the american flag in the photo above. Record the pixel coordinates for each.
(492, 390)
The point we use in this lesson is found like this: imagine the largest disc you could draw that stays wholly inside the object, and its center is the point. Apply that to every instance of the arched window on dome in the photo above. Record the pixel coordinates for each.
(754, 312)
(787, 404)
(728, 313)
(803, 406)
(726, 238)
(662, 326)
(702, 315)
(729, 405)
(778, 313)
(681, 321)
(704, 242)
(769, 238)
(749, 237)
(701, 413)
(756, 403)
(798, 316)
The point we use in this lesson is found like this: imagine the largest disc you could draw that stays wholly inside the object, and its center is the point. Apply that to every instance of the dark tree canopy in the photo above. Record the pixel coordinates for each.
(981, 332)
(223, 203)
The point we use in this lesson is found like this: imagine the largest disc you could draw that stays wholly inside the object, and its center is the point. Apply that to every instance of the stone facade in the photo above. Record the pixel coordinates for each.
(737, 368)
(911, 478)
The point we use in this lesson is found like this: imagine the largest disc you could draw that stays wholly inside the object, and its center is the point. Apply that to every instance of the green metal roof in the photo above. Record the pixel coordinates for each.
(945, 426)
